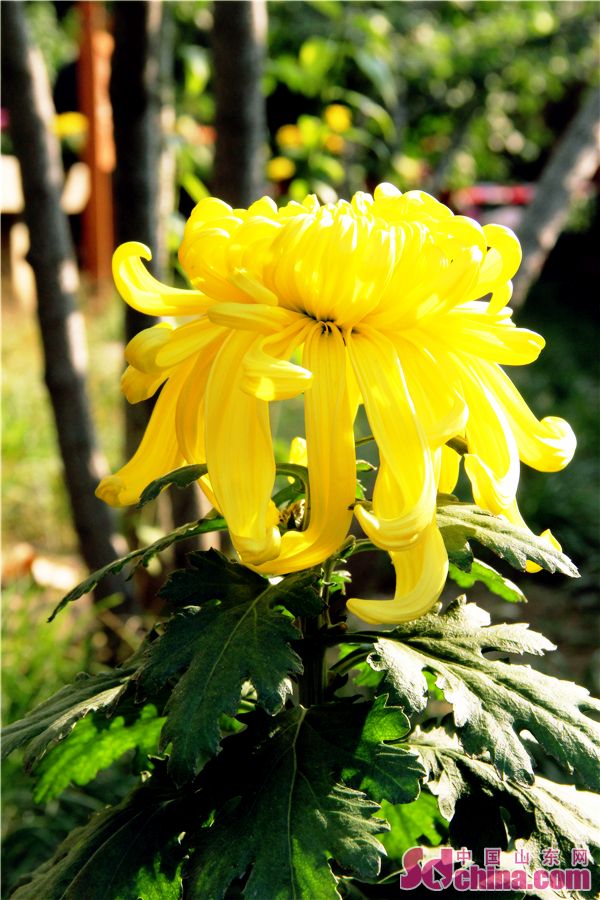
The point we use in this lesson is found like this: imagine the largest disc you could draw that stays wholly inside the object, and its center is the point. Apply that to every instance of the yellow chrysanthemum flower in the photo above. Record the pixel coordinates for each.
(395, 303)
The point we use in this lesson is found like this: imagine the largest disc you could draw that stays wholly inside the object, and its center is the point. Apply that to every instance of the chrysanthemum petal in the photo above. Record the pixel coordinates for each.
(473, 329)
(449, 468)
(439, 405)
(421, 574)
(298, 454)
(501, 261)
(141, 351)
(268, 374)
(331, 457)
(157, 454)
(404, 494)
(189, 418)
(143, 292)
(252, 317)
(137, 386)
(193, 338)
(251, 286)
(454, 286)
(547, 445)
(492, 463)
(500, 297)
(248, 244)
(239, 455)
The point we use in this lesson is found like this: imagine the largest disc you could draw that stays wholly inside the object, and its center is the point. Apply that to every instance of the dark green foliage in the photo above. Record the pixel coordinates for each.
(255, 792)
(544, 813)
(236, 632)
(123, 853)
(54, 719)
(94, 744)
(186, 475)
(302, 803)
(211, 576)
(236, 640)
(463, 522)
(493, 701)
(140, 557)
(180, 478)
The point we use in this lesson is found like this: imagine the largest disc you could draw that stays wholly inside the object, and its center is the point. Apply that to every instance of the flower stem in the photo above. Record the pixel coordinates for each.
(313, 681)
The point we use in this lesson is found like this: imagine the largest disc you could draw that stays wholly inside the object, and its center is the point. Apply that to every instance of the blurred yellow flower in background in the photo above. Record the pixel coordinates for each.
(338, 117)
(409, 169)
(70, 124)
(393, 302)
(279, 168)
(289, 136)
(335, 143)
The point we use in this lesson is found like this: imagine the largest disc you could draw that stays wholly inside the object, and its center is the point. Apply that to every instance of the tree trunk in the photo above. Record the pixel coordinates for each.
(135, 97)
(239, 39)
(573, 163)
(139, 79)
(27, 96)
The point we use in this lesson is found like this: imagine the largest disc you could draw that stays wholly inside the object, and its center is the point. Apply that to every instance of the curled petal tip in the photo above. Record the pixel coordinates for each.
(127, 250)
(255, 552)
(420, 578)
(111, 490)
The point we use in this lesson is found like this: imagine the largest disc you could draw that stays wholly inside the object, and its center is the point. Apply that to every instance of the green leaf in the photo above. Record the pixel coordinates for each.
(94, 744)
(363, 465)
(494, 581)
(316, 56)
(412, 824)
(241, 635)
(383, 771)
(211, 576)
(493, 701)
(368, 108)
(140, 557)
(49, 722)
(460, 523)
(558, 815)
(123, 853)
(181, 478)
(379, 73)
(187, 475)
(301, 805)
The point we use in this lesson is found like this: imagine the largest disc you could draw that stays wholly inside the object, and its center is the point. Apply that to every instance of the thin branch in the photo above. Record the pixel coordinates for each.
(572, 165)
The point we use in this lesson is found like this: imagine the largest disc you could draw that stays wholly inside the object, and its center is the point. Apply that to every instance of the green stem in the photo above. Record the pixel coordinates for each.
(352, 637)
(348, 662)
(458, 444)
(313, 681)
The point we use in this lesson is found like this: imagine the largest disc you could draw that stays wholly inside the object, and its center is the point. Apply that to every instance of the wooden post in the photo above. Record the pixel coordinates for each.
(94, 101)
